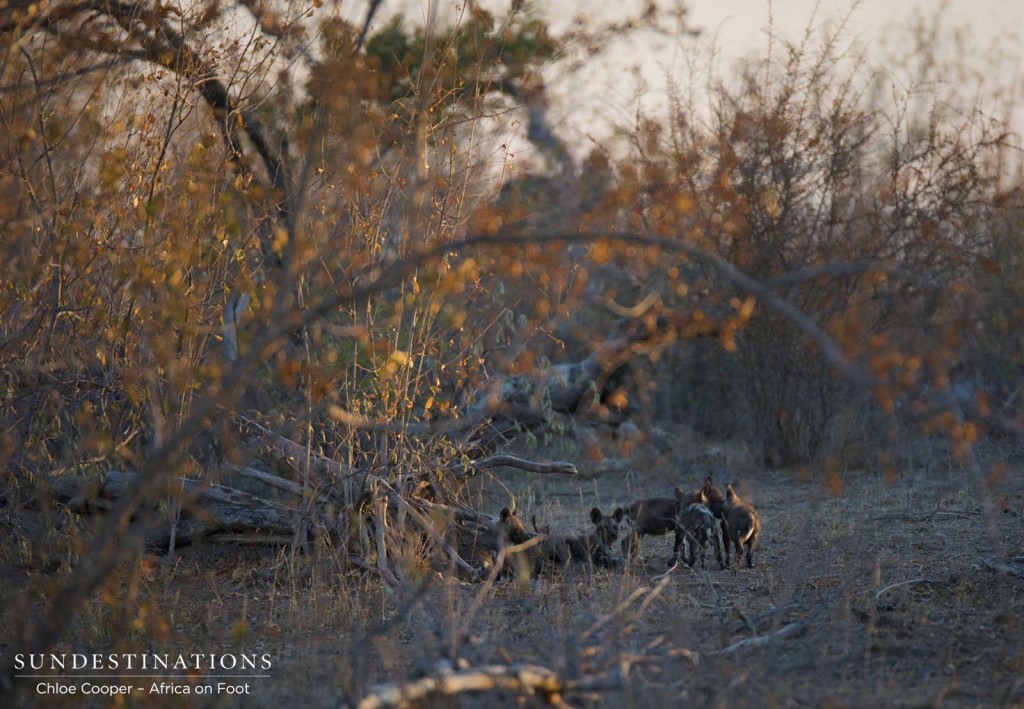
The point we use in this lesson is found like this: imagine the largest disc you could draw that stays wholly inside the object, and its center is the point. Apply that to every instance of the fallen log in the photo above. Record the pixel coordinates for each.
(205, 508)
(531, 680)
(327, 475)
(248, 479)
(446, 682)
(288, 457)
(530, 466)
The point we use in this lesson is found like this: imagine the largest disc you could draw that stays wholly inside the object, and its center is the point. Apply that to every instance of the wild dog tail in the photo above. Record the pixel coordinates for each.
(744, 532)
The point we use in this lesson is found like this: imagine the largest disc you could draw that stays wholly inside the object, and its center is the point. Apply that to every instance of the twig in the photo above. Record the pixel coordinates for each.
(891, 586)
(270, 480)
(390, 581)
(608, 617)
(746, 620)
(427, 527)
(1013, 568)
(765, 615)
(621, 608)
(659, 577)
(762, 640)
(459, 514)
(924, 517)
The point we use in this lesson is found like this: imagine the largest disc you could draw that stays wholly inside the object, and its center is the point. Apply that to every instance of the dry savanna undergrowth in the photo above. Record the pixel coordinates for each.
(278, 247)
(875, 594)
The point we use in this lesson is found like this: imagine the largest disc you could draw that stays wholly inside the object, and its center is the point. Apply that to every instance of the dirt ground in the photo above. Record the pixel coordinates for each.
(871, 593)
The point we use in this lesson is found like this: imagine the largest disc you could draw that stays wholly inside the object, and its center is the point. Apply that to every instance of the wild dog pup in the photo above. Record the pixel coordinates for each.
(716, 503)
(654, 516)
(482, 547)
(743, 523)
(696, 528)
(595, 547)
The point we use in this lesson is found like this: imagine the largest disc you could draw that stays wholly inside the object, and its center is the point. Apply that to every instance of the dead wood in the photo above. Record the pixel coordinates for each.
(206, 508)
(762, 640)
(1013, 567)
(447, 682)
(323, 473)
(900, 584)
(428, 527)
(530, 466)
(325, 495)
(288, 457)
(460, 514)
(519, 403)
(234, 475)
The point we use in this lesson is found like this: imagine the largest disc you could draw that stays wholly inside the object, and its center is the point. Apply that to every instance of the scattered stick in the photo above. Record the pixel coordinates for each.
(616, 612)
(621, 608)
(892, 586)
(762, 640)
(523, 679)
(926, 516)
(1007, 566)
(427, 527)
(765, 615)
(747, 622)
(286, 456)
(659, 577)
(459, 514)
(386, 575)
(270, 480)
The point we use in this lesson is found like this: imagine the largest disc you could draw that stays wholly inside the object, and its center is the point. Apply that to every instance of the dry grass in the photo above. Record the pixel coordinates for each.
(879, 594)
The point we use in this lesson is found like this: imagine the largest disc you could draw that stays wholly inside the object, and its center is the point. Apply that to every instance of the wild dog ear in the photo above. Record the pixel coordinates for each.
(506, 514)
(595, 515)
(617, 514)
(680, 494)
(730, 494)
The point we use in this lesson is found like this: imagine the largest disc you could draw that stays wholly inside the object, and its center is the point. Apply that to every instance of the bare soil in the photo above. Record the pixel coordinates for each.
(870, 592)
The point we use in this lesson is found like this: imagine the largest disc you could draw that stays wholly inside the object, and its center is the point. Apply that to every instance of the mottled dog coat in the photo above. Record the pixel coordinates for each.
(696, 529)
(716, 503)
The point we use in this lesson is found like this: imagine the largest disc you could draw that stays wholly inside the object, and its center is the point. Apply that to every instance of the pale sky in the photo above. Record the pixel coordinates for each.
(741, 20)
(604, 92)
(595, 89)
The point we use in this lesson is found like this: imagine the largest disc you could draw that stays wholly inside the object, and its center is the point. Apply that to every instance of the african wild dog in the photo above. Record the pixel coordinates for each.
(743, 523)
(696, 528)
(654, 516)
(594, 547)
(716, 503)
(684, 515)
(481, 547)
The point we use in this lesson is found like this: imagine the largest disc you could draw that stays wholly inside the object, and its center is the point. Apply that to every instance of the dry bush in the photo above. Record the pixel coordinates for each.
(873, 224)
(193, 230)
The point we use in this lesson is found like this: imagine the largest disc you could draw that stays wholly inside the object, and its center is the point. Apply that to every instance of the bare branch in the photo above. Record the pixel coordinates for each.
(1012, 567)
(446, 682)
(511, 461)
(762, 640)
